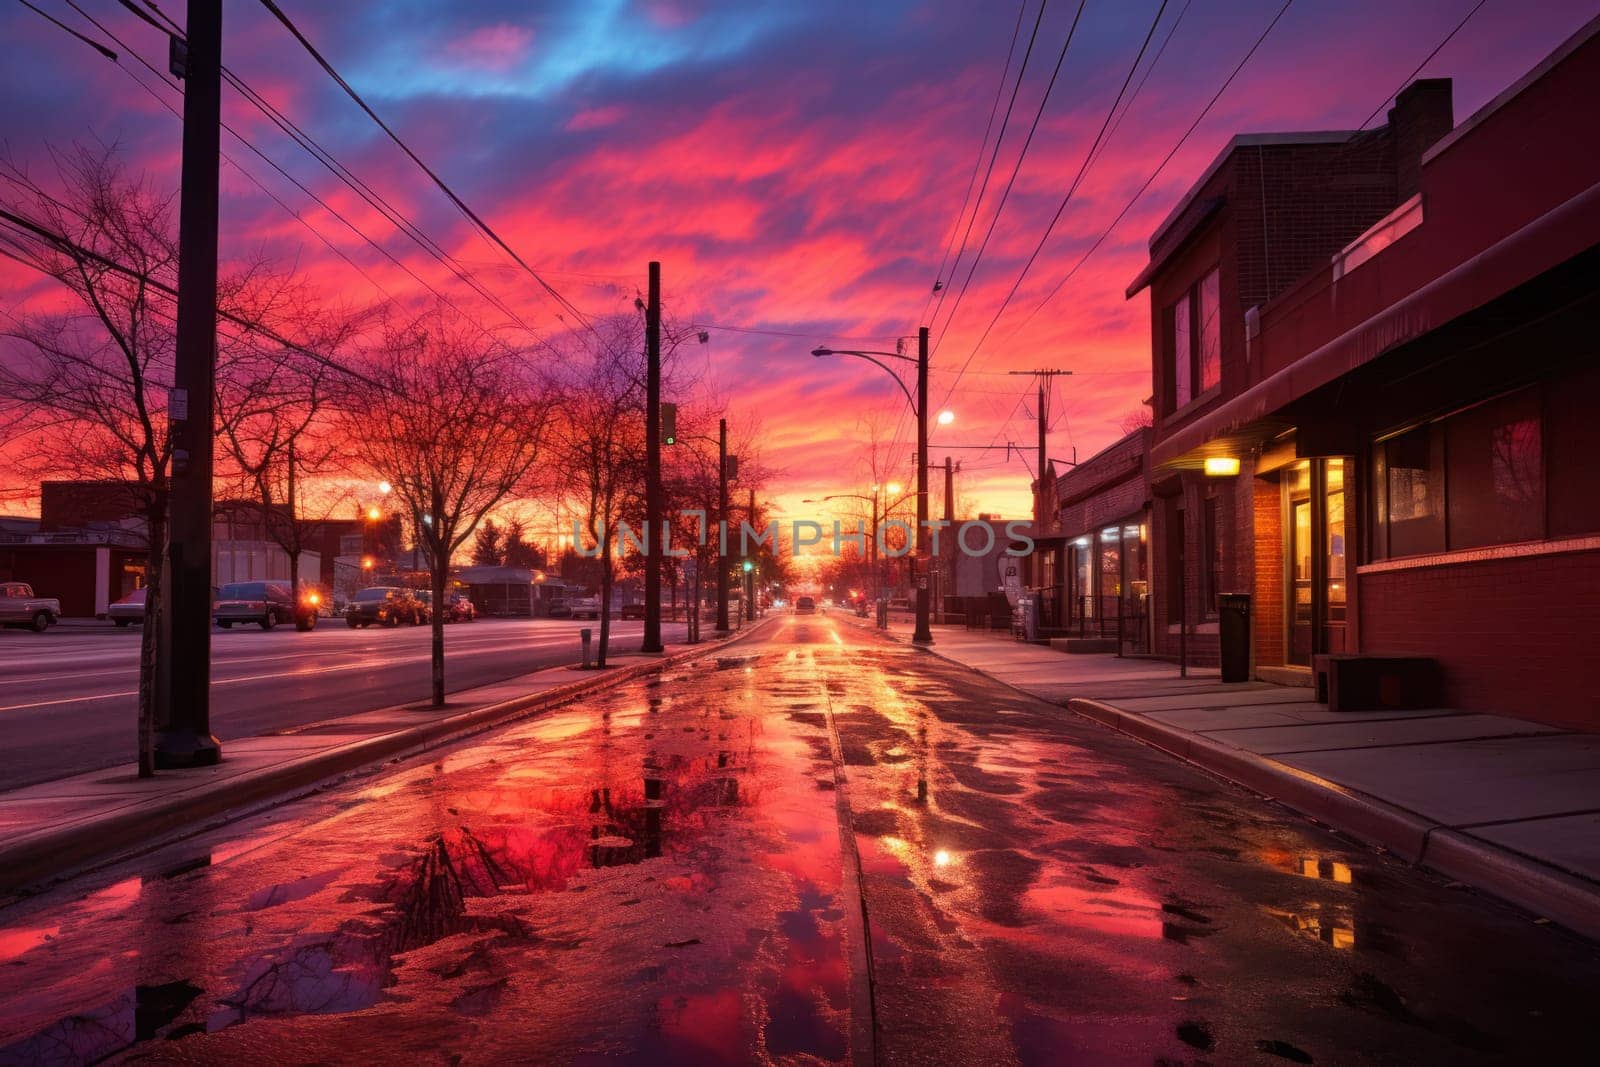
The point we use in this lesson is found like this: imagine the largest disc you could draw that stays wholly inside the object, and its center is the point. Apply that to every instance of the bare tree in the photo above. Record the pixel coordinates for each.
(453, 419)
(602, 445)
(276, 430)
(93, 378)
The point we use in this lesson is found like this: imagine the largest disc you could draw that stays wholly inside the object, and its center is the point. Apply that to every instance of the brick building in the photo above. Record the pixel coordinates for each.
(1374, 356)
(1102, 589)
(1269, 210)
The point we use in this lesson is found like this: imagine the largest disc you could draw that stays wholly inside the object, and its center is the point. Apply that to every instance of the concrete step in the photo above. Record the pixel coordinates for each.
(1078, 645)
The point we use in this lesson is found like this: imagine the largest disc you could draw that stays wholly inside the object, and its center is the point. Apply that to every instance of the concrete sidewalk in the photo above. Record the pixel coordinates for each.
(54, 828)
(1506, 805)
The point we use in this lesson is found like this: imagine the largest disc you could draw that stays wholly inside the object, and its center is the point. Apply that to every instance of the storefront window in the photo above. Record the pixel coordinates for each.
(1182, 353)
(1082, 553)
(1208, 355)
(1495, 477)
(1338, 585)
(1110, 569)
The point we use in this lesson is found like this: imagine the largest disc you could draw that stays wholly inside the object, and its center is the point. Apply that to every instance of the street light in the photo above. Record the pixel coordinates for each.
(385, 488)
(876, 500)
(919, 407)
(374, 514)
(946, 417)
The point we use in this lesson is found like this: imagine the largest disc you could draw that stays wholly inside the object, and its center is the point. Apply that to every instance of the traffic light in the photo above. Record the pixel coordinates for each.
(748, 566)
(669, 424)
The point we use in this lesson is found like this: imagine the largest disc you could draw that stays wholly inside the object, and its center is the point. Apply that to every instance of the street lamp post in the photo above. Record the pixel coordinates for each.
(919, 407)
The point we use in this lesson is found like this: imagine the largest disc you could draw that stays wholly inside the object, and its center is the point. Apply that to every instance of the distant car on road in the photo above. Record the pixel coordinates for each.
(129, 611)
(804, 605)
(19, 607)
(264, 603)
(585, 607)
(384, 605)
(633, 611)
(458, 608)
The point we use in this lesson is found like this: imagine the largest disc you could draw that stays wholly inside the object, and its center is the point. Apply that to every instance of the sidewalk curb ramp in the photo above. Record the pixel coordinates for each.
(1536, 887)
(30, 862)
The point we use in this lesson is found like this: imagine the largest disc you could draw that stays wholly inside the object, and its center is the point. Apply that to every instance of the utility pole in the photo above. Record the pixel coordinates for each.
(183, 736)
(923, 634)
(652, 465)
(1043, 376)
(750, 575)
(947, 575)
(722, 527)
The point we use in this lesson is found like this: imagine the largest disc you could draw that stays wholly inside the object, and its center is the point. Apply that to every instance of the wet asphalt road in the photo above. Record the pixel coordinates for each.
(69, 697)
(668, 874)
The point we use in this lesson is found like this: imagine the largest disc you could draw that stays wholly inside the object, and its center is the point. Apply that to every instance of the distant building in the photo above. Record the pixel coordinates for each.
(1101, 590)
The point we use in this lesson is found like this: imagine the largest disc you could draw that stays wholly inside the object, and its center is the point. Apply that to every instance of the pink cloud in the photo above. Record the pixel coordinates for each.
(497, 47)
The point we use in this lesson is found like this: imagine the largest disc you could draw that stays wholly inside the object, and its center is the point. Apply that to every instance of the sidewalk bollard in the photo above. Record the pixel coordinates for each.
(585, 634)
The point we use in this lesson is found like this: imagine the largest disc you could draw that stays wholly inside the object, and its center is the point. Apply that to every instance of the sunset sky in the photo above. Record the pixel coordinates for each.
(797, 167)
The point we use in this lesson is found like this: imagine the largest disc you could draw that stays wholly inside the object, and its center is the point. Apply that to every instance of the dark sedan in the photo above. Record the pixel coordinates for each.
(264, 603)
(384, 605)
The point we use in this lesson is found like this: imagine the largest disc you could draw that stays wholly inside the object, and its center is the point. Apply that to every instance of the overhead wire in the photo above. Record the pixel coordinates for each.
(1072, 189)
(309, 144)
(977, 163)
(1016, 169)
(460, 204)
(1254, 47)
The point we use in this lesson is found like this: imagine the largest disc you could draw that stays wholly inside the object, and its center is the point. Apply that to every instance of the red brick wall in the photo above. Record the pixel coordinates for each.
(1267, 511)
(1513, 635)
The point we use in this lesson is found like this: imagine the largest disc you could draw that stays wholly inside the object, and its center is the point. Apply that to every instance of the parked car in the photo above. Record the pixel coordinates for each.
(633, 611)
(458, 608)
(585, 607)
(19, 607)
(264, 603)
(385, 605)
(805, 605)
(129, 611)
(560, 608)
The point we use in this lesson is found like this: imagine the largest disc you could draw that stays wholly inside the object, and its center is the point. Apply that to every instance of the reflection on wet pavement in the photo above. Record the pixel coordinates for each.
(656, 876)
(652, 875)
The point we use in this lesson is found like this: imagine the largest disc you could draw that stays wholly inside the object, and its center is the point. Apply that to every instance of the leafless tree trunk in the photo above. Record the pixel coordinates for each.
(454, 422)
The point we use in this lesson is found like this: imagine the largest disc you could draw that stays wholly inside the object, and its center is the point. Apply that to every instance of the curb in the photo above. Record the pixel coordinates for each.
(30, 861)
(1526, 883)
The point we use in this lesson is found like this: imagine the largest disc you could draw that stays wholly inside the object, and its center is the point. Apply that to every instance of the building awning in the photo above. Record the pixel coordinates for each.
(1254, 416)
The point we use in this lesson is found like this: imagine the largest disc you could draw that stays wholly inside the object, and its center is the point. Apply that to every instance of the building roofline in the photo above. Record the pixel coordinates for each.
(1578, 39)
(1244, 140)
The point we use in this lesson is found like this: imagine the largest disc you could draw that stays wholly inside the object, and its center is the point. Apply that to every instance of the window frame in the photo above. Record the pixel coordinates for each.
(1192, 305)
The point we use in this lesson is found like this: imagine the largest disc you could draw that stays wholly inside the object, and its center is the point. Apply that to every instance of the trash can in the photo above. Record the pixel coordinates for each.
(1233, 611)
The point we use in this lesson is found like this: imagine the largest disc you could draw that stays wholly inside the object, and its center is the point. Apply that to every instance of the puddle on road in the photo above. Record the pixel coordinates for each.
(504, 831)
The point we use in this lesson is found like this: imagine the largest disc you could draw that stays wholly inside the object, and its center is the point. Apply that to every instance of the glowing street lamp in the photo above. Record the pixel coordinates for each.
(946, 417)
(374, 514)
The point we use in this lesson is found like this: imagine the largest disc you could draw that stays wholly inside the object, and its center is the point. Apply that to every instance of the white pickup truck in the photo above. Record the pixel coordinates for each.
(19, 607)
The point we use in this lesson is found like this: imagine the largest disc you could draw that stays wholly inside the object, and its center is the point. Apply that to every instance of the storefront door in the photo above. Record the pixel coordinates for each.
(1315, 543)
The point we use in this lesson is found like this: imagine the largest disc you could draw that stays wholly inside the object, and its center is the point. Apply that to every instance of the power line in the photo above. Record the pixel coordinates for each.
(1072, 189)
(1016, 168)
(1005, 124)
(1155, 173)
(317, 151)
(1429, 59)
(460, 204)
(77, 251)
(96, 45)
(247, 143)
(977, 162)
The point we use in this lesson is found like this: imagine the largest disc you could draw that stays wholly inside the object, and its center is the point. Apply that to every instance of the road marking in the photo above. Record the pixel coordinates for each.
(426, 657)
